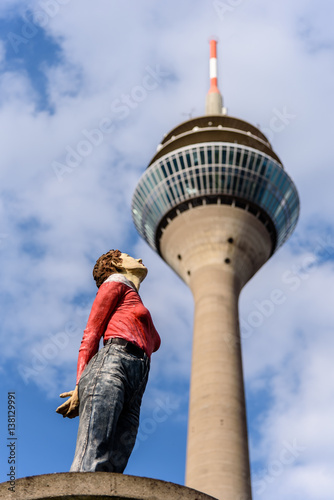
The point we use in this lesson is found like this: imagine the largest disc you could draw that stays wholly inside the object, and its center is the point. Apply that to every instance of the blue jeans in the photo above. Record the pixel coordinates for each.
(110, 393)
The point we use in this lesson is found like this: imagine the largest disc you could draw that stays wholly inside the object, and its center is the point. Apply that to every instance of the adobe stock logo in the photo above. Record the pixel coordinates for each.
(44, 354)
(224, 8)
(287, 456)
(291, 281)
(120, 109)
(279, 121)
(34, 20)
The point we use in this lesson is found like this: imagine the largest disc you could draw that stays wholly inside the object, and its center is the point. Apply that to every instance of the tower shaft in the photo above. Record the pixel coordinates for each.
(217, 447)
(216, 249)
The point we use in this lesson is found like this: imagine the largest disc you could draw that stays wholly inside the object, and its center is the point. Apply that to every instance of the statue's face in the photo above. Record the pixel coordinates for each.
(135, 266)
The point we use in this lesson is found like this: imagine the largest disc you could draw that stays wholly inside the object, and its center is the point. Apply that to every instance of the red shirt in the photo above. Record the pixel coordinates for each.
(117, 311)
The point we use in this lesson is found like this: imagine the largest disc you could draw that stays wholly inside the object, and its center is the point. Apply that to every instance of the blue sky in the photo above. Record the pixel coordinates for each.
(87, 91)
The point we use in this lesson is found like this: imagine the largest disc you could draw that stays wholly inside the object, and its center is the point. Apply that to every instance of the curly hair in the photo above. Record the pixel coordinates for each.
(109, 263)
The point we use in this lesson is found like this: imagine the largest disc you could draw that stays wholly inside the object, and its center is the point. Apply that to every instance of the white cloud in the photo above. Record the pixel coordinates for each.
(272, 57)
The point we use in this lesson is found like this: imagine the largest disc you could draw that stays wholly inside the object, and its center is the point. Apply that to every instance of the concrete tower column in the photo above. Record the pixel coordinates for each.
(216, 249)
(217, 450)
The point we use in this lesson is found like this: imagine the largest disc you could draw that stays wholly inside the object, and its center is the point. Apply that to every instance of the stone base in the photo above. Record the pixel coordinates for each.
(96, 485)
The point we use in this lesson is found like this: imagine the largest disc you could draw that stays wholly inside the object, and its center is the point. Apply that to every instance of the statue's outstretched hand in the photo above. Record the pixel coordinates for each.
(70, 408)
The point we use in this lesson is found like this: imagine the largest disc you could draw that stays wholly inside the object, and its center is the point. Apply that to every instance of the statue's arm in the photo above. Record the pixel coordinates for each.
(70, 408)
(103, 306)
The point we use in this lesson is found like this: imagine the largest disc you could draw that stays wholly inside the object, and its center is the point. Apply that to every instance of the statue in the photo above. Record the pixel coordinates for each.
(111, 381)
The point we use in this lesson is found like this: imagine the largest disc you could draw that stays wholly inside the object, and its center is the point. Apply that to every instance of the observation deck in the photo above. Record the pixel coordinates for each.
(215, 159)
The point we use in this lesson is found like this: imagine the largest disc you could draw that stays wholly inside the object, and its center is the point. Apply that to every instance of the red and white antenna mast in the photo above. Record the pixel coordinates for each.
(214, 100)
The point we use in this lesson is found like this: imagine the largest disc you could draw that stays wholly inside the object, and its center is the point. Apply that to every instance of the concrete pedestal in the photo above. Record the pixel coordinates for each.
(96, 485)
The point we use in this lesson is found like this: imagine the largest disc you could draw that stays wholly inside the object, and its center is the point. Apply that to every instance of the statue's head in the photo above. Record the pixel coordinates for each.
(116, 262)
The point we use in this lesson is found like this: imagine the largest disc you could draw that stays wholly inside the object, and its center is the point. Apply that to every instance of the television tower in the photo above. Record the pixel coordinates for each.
(215, 202)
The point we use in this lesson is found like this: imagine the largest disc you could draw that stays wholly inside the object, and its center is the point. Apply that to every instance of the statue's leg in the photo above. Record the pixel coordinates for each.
(101, 394)
(128, 421)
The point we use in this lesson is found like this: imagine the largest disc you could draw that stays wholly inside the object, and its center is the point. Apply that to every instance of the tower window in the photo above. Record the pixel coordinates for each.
(209, 156)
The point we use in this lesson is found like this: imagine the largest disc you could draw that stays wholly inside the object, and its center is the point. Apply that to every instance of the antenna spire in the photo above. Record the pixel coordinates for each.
(214, 100)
